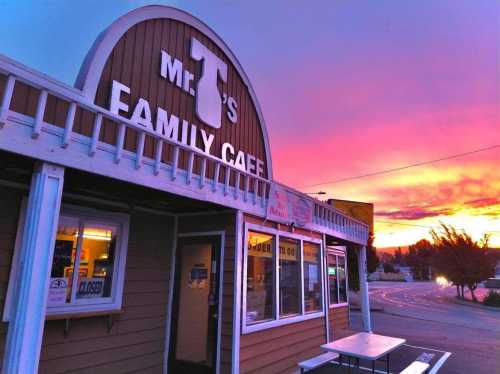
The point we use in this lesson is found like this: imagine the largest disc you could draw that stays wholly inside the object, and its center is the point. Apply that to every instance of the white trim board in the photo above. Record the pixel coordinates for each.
(238, 252)
(168, 324)
(277, 320)
(222, 235)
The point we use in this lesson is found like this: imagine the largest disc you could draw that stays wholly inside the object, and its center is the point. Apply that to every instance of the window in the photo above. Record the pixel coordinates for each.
(282, 278)
(333, 279)
(260, 277)
(289, 270)
(337, 278)
(88, 263)
(312, 277)
(342, 279)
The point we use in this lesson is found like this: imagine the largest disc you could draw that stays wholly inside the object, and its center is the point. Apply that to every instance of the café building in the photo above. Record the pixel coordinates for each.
(141, 229)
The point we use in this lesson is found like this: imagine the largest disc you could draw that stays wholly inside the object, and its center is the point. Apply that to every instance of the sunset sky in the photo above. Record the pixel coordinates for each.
(354, 87)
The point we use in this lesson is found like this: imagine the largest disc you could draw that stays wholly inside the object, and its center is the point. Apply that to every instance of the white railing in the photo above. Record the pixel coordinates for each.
(259, 185)
(248, 192)
(344, 226)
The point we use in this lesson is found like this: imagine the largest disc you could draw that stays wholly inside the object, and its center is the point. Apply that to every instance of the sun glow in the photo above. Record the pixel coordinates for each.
(410, 204)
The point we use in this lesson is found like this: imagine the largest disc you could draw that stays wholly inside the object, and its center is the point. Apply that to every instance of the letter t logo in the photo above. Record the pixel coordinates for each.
(208, 97)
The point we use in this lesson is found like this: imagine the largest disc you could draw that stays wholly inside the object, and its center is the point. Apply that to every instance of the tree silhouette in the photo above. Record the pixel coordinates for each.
(462, 260)
(419, 258)
(398, 256)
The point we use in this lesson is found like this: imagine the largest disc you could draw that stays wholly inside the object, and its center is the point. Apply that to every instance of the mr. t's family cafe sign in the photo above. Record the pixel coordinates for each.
(210, 107)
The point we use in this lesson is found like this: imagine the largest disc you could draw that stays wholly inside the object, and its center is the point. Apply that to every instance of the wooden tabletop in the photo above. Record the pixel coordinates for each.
(364, 345)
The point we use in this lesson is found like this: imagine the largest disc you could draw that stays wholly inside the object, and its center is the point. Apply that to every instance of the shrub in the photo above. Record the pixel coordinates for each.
(492, 299)
(389, 268)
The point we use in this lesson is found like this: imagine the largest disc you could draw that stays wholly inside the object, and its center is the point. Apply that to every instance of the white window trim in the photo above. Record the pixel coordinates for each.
(337, 252)
(84, 306)
(339, 305)
(277, 321)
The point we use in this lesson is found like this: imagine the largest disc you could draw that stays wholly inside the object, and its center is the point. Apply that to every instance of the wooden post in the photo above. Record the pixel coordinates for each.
(363, 289)
(27, 320)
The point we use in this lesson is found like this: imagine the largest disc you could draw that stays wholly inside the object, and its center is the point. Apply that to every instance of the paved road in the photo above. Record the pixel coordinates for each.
(428, 301)
(423, 314)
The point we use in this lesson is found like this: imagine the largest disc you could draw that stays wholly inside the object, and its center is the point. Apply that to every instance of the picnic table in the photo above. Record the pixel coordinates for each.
(365, 346)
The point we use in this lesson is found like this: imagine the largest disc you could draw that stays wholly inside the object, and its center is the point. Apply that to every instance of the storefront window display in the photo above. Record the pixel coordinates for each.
(312, 277)
(260, 277)
(88, 262)
(283, 279)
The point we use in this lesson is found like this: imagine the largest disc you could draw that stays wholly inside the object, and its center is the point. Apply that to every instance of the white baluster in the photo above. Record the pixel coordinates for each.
(95, 134)
(216, 176)
(6, 99)
(40, 111)
(247, 187)
(158, 153)
(226, 180)
(203, 172)
(120, 141)
(140, 149)
(263, 197)
(190, 167)
(68, 126)
(175, 162)
(255, 190)
(237, 186)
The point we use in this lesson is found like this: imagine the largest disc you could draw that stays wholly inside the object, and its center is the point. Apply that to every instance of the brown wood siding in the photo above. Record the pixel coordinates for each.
(280, 349)
(135, 62)
(10, 202)
(338, 319)
(220, 222)
(136, 341)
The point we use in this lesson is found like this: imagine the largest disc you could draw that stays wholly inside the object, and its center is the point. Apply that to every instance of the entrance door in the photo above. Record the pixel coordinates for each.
(193, 342)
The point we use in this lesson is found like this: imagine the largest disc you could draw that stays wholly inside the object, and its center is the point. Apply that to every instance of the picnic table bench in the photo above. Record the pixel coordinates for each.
(420, 365)
(316, 362)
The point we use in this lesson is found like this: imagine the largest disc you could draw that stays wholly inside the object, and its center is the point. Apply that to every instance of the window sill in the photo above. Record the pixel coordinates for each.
(248, 329)
(340, 305)
(74, 314)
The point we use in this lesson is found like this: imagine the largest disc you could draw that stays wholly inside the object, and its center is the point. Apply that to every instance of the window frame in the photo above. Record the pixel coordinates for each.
(103, 305)
(277, 320)
(337, 252)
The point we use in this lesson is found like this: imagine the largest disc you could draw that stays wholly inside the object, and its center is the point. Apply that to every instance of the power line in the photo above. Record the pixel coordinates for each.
(425, 226)
(404, 167)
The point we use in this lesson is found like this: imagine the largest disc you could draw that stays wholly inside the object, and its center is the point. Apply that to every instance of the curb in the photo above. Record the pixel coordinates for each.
(471, 304)
(372, 309)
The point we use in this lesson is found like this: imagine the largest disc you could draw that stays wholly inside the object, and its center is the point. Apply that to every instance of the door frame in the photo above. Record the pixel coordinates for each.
(222, 235)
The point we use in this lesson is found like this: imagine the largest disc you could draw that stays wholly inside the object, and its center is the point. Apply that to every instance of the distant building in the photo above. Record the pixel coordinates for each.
(406, 271)
(361, 211)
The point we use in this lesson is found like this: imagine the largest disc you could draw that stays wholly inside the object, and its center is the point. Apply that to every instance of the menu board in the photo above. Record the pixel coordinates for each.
(62, 257)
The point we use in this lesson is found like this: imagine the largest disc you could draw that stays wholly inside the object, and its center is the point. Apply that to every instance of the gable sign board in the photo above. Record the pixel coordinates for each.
(169, 73)
(288, 207)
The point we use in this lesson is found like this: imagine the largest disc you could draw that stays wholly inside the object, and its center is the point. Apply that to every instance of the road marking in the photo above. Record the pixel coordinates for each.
(440, 363)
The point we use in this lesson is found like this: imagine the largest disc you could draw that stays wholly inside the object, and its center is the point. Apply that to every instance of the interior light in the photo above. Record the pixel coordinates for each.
(97, 235)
